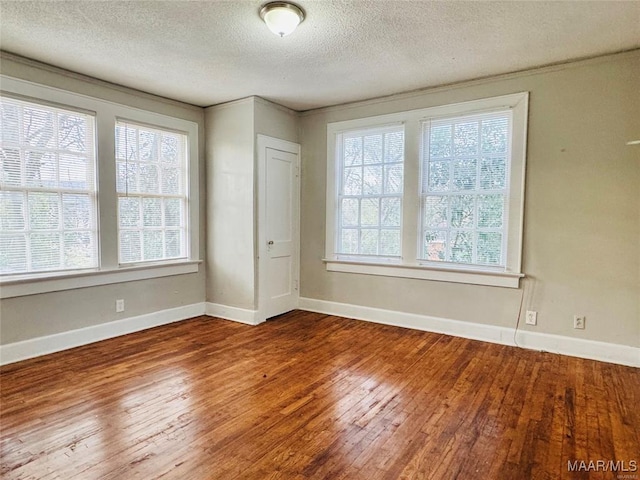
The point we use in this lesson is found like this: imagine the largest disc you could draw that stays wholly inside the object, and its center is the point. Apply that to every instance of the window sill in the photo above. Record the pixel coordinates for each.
(34, 284)
(421, 272)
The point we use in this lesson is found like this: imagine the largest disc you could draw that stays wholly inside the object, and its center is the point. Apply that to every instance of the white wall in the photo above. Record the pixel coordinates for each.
(582, 212)
(230, 170)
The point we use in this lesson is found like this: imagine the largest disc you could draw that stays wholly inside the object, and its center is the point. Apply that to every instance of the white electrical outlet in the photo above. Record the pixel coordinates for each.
(119, 305)
(579, 321)
(531, 318)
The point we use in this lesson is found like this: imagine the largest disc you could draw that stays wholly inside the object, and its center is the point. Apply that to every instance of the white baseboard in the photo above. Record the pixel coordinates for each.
(35, 347)
(242, 315)
(574, 347)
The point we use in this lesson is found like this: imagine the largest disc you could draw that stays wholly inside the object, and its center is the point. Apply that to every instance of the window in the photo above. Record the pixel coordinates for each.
(88, 198)
(370, 197)
(465, 189)
(47, 189)
(433, 194)
(151, 167)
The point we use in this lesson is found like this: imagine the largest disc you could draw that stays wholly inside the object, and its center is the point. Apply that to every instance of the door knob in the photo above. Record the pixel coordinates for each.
(270, 242)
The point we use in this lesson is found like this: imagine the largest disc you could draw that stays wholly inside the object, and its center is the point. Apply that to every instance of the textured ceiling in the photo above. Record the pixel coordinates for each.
(206, 53)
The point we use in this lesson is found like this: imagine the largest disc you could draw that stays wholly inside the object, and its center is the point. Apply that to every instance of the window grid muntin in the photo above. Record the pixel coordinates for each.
(181, 165)
(23, 146)
(379, 228)
(479, 156)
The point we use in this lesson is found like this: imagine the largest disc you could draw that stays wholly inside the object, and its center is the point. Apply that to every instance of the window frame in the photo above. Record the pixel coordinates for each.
(409, 265)
(109, 270)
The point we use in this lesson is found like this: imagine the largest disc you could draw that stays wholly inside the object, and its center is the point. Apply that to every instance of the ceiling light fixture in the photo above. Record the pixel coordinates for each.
(282, 18)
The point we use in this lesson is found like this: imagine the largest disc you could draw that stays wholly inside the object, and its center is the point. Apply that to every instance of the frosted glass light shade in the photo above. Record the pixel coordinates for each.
(282, 18)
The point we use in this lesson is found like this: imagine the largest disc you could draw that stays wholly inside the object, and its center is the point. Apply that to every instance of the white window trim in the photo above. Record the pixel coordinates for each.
(408, 266)
(109, 270)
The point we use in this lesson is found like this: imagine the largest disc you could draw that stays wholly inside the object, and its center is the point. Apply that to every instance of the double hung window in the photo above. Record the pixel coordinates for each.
(152, 193)
(370, 196)
(88, 198)
(433, 194)
(47, 188)
(465, 189)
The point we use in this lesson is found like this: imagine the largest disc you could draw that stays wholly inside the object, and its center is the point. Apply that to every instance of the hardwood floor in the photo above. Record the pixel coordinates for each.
(310, 396)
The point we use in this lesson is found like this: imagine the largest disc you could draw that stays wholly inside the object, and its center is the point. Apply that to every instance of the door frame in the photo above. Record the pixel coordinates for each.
(263, 143)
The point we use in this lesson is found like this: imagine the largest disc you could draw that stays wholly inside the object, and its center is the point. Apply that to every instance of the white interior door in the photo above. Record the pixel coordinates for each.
(279, 265)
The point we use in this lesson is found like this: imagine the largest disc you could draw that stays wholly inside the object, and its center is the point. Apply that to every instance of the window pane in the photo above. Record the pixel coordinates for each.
(44, 213)
(393, 178)
(490, 248)
(173, 245)
(152, 212)
(352, 181)
(462, 211)
(372, 180)
(173, 212)
(79, 249)
(171, 147)
(349, 240)
(353, 151)
(10, 167)
(373, 149)
(369, 242)
(461, 247)
(129, 211)
(435, 246)
(370, 212)
(495, 134)
(13, 253)
(391, 211)
(171, 181)
(152, 242)
(11, 211)
(465, 174)
(436, 212)
(394, 147)
(438, 176)
(38, 127)
(72, 132)
(41, 169)
(45, 251)
(149, 143)
(465, 139)
(349, 212)
(490, 211)
(9, 123)
(149, 181)
(130, 246)
(75, 172)
(390, 242)
(493, 173)
(77, 211)
(440, 141)
(127, 180)
(126, 142)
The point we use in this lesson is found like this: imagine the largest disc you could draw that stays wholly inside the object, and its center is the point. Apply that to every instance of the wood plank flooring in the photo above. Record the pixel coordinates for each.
(310, 396)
